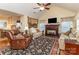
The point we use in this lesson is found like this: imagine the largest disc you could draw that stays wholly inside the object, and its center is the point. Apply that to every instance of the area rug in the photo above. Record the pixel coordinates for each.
(38, 46)
(55, 48)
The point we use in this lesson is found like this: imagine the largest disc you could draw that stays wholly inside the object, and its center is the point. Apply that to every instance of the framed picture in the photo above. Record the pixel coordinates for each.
(32, 22)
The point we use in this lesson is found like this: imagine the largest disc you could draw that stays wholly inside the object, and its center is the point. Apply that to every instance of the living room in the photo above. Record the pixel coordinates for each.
(39, 35)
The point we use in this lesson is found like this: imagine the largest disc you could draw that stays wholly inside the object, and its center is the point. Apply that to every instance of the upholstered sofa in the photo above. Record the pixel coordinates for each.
(35, 32)
(36, 35)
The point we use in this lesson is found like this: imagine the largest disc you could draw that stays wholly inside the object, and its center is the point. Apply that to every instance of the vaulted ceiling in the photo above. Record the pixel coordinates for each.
(71, 6)
(27, 8)
(21, 8)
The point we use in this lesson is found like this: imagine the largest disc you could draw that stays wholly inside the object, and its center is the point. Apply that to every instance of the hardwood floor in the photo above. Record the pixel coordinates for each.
(4, 42)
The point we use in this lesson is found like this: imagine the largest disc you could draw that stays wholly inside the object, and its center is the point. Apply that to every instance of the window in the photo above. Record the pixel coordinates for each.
(42, 26)
(78, 25)
(3, 24)
(66, 25)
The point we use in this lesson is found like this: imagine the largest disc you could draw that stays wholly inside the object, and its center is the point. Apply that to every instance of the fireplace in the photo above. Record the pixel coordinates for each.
(51, 30)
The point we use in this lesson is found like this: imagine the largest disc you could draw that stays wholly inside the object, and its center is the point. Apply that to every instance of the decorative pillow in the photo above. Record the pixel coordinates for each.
(15, 32)
(19, 36)
(37, 30)
(33, 30)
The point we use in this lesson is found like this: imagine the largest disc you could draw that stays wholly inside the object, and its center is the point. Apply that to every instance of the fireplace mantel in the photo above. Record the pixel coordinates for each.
(53, 24)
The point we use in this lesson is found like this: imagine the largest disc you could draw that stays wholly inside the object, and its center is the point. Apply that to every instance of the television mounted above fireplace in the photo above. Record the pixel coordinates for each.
(52, 20)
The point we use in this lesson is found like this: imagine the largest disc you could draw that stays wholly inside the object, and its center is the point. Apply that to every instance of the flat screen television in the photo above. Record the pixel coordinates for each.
(52, 20)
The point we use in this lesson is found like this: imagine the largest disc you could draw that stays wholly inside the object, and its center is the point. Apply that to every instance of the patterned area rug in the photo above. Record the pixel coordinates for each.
(38, 46)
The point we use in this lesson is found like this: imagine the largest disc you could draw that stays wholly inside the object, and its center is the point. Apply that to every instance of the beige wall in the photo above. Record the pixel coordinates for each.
(11, 20)
(57, 12)
(24, 21)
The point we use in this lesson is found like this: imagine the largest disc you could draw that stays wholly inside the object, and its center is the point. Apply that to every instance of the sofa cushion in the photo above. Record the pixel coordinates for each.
(19, 36)
(33, 30)
(37, 30)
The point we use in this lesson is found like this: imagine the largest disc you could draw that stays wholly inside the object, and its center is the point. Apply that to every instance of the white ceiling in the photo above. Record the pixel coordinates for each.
(21, 8)
(71, 6)
(27, 8)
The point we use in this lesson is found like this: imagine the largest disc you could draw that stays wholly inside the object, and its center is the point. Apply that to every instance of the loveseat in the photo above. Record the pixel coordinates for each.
(35, 32)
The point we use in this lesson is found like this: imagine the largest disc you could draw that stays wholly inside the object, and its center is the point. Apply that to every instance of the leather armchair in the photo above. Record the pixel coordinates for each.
(18, 43)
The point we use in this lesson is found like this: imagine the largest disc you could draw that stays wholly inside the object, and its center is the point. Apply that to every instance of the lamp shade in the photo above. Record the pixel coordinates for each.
(18, 25)
(26, 28)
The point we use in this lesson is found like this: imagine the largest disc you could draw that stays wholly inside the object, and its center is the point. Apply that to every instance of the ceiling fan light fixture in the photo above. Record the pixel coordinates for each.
(42, 8)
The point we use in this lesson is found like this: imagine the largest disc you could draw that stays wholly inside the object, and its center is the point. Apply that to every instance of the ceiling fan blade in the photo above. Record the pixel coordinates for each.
(47, 4)
(36, 8)
(47, 8)
(39, 4)
(40, 10)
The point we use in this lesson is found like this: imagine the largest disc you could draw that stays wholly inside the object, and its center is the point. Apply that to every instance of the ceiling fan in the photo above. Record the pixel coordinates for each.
(43, 6)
